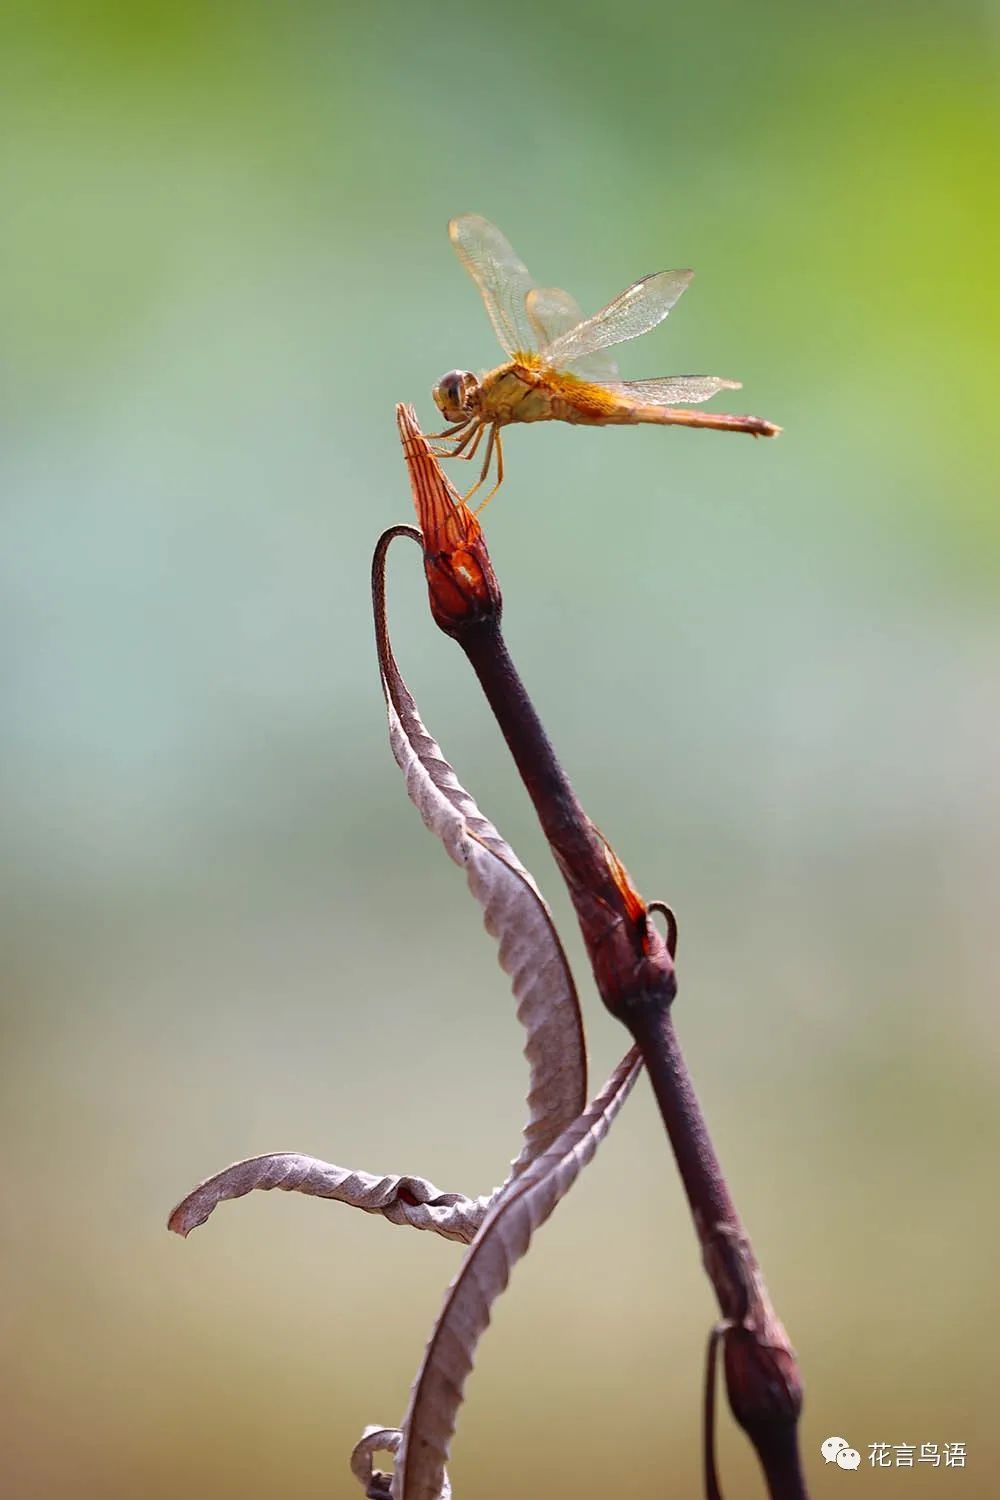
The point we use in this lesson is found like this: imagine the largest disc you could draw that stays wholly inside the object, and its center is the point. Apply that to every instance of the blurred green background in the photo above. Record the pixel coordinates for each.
(770, 669)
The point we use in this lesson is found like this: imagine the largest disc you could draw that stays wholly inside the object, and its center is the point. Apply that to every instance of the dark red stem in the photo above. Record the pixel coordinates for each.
(635, 976)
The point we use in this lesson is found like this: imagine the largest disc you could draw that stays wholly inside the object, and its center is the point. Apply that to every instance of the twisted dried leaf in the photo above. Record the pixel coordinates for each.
(376, 1484)
(514, 910)
(401, 1200)
(530, 952)
(484, 1273)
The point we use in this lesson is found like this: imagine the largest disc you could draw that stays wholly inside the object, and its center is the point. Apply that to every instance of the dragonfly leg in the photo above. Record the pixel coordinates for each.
(447, 432)
(492, 441)
(451, 446)
(483, 503)
(481, 428)
(474, 432)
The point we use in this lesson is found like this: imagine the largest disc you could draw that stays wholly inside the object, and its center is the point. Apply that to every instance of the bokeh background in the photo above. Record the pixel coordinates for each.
(770, 668)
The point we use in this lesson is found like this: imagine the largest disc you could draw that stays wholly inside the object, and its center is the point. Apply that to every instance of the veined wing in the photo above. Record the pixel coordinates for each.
(634, 312)
(501, 276)
(553, 313)
(672, 390)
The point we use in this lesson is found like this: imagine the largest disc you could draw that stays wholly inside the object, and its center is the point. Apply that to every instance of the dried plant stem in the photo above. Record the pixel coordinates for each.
(762, 1374)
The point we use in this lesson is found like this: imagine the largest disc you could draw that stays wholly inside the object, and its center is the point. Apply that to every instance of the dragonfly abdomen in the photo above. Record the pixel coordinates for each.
(718, 421)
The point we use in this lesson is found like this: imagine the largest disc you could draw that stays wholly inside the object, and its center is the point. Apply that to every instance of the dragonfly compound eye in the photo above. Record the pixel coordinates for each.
(453, 394)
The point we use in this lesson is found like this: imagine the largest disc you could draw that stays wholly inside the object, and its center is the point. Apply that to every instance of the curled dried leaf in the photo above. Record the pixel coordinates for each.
(530, 952)
(401, 1200)
(515, 912)
(484, 1273)
(376, 1484)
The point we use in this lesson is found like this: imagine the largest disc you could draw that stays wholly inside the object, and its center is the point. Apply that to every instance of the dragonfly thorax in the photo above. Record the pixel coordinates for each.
(457, 395)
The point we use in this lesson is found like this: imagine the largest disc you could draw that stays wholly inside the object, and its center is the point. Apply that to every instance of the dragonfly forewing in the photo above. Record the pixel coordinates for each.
(503, 279)
(634, 312)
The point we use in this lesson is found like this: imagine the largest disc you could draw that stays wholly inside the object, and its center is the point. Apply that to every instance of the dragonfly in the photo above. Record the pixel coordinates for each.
(559, 365)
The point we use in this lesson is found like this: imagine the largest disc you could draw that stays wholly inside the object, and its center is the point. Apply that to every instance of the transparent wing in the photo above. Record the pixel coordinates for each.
(638, 309)
(673, 390)
(553, 313)
(501, 276)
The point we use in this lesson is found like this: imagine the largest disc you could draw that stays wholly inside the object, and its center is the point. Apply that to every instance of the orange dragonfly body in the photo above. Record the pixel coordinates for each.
(560, 368)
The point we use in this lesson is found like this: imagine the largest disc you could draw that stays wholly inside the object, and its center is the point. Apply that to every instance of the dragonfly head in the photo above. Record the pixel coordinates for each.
(456, 395)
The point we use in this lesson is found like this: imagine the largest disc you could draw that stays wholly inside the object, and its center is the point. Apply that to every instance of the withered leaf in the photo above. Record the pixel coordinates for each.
(376, 1484)
(514, 910)
(529, 951)
(485, 1271)
(401, 1200)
